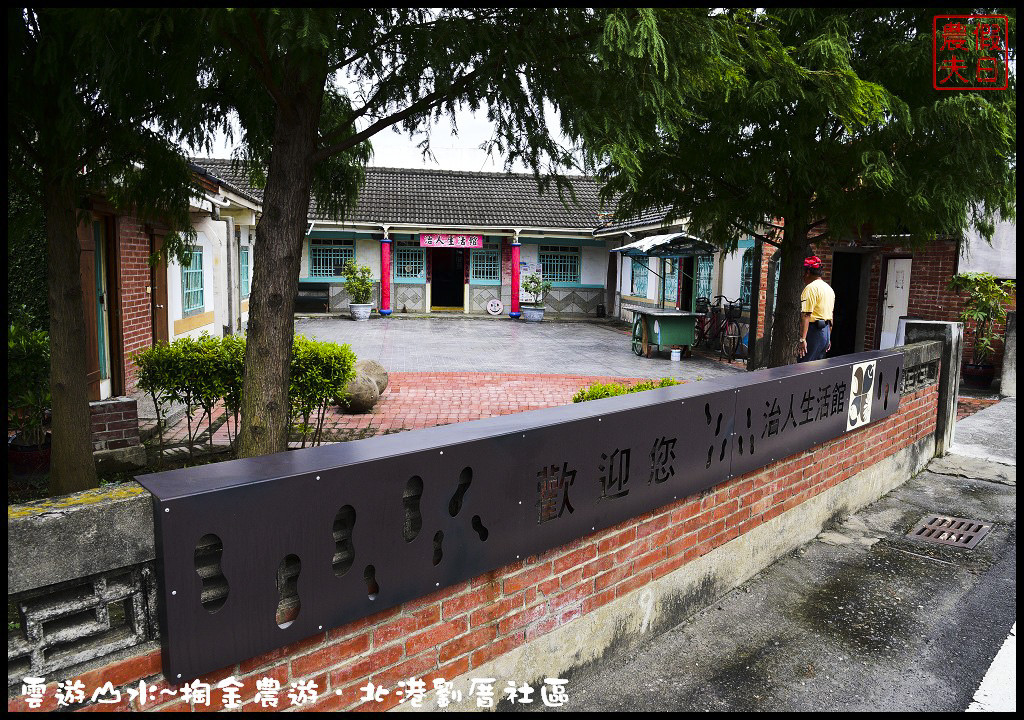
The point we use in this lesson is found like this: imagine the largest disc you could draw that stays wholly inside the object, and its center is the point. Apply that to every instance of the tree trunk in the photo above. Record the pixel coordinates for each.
(71, 462)
(278, 249)
(786, 322)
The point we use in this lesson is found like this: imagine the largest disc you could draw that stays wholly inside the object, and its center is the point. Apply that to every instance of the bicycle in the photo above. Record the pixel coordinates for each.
(719, 325)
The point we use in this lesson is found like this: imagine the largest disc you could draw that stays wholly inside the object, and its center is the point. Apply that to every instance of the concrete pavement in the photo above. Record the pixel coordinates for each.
(862, 618)
(460, 344)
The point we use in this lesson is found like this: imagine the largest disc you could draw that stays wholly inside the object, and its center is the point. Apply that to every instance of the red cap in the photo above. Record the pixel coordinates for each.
(813, 262)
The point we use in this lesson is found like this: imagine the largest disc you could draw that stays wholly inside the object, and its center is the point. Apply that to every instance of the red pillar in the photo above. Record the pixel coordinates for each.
(385, 276)
(515, 279)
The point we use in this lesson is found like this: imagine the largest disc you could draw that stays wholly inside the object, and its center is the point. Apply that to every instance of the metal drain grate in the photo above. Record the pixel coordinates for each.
(950, 531)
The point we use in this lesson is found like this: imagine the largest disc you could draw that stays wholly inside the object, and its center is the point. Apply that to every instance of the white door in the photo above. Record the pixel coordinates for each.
(895, 300)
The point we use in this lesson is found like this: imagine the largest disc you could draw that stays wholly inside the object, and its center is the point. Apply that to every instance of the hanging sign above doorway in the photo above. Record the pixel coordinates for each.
(452, 241)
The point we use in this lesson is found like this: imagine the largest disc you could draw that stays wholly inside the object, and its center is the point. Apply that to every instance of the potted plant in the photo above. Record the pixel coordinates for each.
(537, 288)
(359, 284)
(28, 398)
(985, 308)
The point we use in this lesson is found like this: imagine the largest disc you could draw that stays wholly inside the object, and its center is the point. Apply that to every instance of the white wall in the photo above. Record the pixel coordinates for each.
(731, 271)
(204, 227)
(368, 253)
(999, 259)
(594, 270)
(304, 259)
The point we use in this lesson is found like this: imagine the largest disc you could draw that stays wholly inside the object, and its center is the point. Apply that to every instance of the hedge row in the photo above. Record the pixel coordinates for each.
(605, 390)
(200, 372)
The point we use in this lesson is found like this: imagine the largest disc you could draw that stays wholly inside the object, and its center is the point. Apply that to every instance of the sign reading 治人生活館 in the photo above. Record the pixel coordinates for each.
(452, 241)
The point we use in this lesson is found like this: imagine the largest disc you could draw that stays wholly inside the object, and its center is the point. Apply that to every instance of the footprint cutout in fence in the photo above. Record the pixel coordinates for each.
(718, 429)
(344, 550)
(372, 588)
(480, 529)
(411, 501)
(438, 551)
(288, 603)
(465, 478)
(207, 563)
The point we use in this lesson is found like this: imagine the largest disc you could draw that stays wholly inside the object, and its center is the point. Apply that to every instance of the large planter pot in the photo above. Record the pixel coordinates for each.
(532, 313)
(360, 311)
(28, 459)
(978, 377)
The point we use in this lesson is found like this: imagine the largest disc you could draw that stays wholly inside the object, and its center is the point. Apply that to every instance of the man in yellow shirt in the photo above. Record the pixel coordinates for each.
(816, 304)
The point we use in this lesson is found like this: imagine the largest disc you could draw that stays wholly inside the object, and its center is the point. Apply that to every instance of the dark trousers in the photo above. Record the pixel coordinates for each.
(817, 341)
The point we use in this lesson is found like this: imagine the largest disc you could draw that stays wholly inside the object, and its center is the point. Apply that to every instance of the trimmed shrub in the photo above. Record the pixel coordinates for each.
(319, 373)
(28, 382)
(200, 372)
(606, 390)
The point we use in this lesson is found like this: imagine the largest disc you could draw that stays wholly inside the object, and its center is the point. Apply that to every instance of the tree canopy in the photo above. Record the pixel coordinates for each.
(313, 86)
(831, 125)
(94, 104)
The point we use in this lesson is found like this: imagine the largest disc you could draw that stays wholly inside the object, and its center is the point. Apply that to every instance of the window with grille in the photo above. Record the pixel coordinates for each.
(192, 284)
(638, 279)
(410, 262)
(485, 264)
(746, 274)
(327, 258)
(705, 263)
(560, 264)
(671, 280)
(243, 271)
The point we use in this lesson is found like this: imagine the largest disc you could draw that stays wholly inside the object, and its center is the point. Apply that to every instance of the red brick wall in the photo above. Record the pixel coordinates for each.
(767, 251)
(930, 298)
(114, 423)
(133, 250)
(458, 629)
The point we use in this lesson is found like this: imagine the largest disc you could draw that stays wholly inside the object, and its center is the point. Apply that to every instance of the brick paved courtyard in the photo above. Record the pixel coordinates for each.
(417, 400)
(453, 370)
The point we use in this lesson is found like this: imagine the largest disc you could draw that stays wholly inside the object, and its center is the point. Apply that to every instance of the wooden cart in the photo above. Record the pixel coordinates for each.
(660, 327)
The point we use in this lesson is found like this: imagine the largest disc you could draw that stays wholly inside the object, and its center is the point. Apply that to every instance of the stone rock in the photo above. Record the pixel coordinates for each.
(362, 394)
(376, 371)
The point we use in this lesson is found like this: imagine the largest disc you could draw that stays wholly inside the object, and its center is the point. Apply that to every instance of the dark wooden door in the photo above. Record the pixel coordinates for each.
(846, 270)
(158, 294)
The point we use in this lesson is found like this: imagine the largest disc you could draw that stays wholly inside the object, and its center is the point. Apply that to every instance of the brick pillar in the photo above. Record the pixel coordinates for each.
(951, 335)
(385, 276)
(514, 313)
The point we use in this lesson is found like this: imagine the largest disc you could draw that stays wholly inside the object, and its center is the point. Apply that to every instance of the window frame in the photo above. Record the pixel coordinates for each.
(746, 275)
(347, 246)
(573, 253)
(482, 257)
(187, 288)
(413, 249)
(638, 280)
(244, 281)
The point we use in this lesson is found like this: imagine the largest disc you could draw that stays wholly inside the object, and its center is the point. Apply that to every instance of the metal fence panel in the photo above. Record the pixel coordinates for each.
(314, 539)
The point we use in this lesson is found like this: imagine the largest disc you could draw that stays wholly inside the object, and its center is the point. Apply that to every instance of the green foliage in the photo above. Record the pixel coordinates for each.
(820, 123)
(97, 121)
(985, 307)
(26, 257)
(537, 287)
(28, 382)
(358, 282)
(232, 371)
(196, 372)
(598, 391)
(320, 372)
